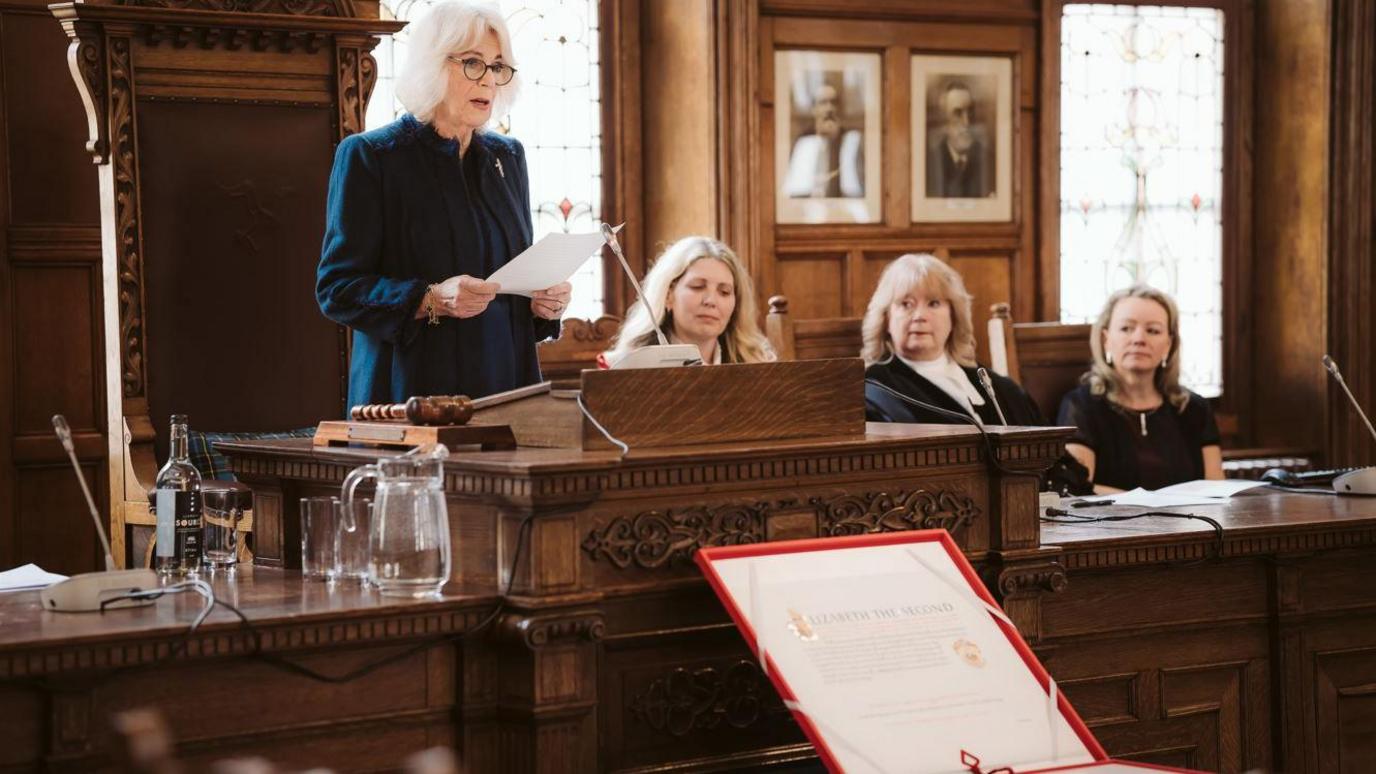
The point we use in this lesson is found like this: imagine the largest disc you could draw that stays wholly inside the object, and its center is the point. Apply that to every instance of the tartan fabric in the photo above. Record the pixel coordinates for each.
(214, 465)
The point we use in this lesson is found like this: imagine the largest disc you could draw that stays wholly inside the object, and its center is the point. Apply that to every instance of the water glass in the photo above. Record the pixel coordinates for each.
(356, 520)
(321, 522)
(223, 505)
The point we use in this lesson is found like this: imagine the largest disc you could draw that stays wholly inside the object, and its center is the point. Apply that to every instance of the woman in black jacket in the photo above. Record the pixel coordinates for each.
(919, 346)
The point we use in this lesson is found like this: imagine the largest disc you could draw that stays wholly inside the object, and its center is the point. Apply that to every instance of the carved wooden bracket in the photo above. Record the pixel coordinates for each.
(656, 539)
(539, 631)
(901, 511)
(683, 702)
(1020, 579)
(86, 60)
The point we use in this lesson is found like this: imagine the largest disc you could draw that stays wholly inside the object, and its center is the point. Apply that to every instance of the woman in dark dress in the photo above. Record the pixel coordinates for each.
(919, 341)
(423, 208)
(1135, 425)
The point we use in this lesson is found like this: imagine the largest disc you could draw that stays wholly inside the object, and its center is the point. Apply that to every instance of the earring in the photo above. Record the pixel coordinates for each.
(1108, 358)
(1165, 361)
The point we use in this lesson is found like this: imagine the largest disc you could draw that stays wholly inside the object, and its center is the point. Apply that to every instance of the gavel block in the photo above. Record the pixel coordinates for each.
(432, 410)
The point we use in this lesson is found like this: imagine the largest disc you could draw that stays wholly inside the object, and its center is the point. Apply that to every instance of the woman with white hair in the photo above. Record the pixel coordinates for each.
(919, 346)
(420, 210)
(700, 294)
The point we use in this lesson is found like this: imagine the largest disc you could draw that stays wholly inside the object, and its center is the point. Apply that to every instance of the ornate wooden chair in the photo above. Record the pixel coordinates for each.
(576, 349)
(1046, 358)
(810, 339)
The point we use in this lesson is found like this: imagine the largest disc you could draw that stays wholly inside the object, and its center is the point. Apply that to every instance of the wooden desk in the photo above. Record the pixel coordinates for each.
(1264, 658)
(613, 656)
(62, 676)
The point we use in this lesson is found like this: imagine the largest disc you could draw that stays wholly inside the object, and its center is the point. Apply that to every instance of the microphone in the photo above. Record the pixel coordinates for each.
(94, 591)
(989, 388)
(658, 356)
(1338, 377)
(64, 434)
(1363, 480)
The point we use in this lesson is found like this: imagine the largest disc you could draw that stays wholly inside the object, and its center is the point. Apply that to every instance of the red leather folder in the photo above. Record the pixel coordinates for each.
(708, 559)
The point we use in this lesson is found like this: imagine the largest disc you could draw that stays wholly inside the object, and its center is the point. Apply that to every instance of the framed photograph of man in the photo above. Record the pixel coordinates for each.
(962, 138)
(827, 137)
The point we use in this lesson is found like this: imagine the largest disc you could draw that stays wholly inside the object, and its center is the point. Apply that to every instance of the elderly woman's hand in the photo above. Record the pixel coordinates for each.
(463, 296)
(550, 304)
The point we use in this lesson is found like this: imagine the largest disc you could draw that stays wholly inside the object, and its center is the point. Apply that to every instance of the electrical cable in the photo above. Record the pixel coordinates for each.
(1062, 516)
(966, 418)
(207, 592)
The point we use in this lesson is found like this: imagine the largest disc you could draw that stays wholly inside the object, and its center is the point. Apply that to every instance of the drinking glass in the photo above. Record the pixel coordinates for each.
(321, 522)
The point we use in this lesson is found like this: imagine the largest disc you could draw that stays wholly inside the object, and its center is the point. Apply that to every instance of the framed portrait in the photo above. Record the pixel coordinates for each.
(827, 137)
(962, 138)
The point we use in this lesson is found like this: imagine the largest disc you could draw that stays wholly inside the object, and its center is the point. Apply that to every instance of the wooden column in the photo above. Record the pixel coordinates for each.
(1352, 227)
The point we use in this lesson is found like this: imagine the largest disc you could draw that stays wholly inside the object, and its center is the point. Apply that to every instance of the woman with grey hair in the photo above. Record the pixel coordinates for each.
(919, 346)
(420, 210)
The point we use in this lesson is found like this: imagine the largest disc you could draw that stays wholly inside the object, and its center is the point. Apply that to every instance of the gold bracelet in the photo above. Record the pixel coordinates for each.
(431, 313)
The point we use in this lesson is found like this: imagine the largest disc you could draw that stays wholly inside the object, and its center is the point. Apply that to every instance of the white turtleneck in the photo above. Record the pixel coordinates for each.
(951, 379)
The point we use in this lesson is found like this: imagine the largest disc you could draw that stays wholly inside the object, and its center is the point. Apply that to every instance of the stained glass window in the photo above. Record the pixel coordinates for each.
(1142, 168)
(557, 118)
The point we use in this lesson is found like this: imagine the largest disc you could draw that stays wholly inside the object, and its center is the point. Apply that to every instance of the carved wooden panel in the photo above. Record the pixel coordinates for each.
(231, 300)
(685, 696)
(51, 348)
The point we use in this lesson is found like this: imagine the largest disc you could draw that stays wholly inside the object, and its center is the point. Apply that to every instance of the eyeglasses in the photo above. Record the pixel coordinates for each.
(474, 69)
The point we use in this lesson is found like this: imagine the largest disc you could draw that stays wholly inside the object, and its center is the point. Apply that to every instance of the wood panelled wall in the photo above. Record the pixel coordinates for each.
(689, 137)
(51, 353)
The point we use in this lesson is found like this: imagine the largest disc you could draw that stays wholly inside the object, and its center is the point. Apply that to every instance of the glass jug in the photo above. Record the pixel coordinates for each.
(408, 540)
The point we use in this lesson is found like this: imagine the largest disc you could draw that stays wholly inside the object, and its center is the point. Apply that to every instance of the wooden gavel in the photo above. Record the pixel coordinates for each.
(428, 410)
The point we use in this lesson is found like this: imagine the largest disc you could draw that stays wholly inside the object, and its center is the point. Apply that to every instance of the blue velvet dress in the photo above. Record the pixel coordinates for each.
(403, 212)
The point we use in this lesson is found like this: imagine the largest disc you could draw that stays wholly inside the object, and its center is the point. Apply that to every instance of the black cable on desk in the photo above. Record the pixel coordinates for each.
(1061, 516)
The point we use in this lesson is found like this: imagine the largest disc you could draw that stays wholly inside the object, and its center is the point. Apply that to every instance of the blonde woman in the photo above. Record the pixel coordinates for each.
(919, 346)
(700, 294)
(1134, 424)
(420, 210)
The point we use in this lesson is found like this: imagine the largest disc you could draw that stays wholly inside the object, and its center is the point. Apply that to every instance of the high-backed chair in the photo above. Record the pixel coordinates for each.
(214, 129)
(1046, 358)
(576, 349)
(810, 339)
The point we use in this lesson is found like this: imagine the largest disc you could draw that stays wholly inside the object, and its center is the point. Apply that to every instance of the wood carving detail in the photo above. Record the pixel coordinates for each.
(884, 512)
(541, 631)
(601, 330)
(682, 701)
(655, 539)
(291, 7)
(349, 93)
(86, 60)
(127, 232)
(1046, 577)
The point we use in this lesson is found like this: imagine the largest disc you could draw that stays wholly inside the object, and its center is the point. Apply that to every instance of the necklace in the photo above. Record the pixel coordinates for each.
(1141, 415)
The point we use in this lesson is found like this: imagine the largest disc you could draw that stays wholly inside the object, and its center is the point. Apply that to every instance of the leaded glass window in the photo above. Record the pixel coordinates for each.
(557, 117)
(1142, 167)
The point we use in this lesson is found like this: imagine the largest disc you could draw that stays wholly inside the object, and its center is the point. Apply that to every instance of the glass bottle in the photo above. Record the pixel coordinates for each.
(177, 505)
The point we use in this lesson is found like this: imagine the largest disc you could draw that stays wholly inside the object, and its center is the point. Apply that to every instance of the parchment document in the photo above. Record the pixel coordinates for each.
(903, 669)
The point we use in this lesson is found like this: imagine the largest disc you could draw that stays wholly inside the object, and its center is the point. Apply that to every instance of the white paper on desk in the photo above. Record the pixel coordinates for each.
(547, 263)
(895, 666)
(30, 576)
(1202, 488)
(1158, 499)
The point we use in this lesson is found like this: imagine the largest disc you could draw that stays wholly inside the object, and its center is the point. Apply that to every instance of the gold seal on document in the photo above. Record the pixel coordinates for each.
(800, 627)
(969, 652)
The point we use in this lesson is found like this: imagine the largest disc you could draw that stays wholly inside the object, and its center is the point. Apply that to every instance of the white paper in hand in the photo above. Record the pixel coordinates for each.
(547, 263)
